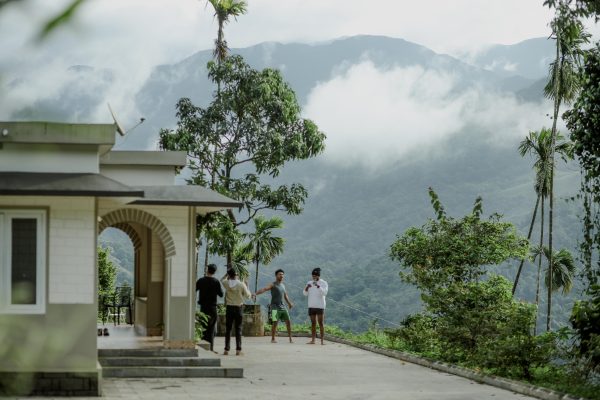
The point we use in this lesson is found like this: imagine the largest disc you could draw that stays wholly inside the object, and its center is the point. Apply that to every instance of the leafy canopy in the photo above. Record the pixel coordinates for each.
(248, 132)
(449, 250)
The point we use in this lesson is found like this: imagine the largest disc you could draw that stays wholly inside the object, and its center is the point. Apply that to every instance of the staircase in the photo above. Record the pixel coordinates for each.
(163, 363)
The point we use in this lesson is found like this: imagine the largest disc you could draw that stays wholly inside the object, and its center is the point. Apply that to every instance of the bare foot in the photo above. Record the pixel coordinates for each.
(273, 341)
(291, 341)
(322, 344)
(311, 342)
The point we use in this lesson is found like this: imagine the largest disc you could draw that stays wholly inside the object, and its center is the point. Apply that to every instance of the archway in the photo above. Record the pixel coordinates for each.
(153, 247)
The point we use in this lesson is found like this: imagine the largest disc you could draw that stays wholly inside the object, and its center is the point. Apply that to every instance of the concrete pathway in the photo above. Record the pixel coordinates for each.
(301, 371)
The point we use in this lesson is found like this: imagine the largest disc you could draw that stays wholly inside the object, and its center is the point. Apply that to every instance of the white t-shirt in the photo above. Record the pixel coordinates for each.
(316, 293)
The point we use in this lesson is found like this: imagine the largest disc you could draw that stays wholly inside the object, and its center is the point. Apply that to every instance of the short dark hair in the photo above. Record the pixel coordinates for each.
(316, 271)
(231, 273)
(278, 271)
(211, 268)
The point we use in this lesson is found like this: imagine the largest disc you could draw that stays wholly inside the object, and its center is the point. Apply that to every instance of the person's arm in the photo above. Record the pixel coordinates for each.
(323, 287)
(305, 291)
(247, 293)
(290, 304)
(219, 289)
(261, 291)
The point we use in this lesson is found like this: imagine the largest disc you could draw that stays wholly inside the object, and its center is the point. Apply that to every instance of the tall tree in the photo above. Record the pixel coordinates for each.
(265, 246)
(224, 10)
(563, 85)
(537, 144)
(244, 137)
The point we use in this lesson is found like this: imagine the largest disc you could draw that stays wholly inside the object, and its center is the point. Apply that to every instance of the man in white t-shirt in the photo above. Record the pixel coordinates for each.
(316, 290)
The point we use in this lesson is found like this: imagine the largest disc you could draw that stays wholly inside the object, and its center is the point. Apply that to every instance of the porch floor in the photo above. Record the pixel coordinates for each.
(124, 337)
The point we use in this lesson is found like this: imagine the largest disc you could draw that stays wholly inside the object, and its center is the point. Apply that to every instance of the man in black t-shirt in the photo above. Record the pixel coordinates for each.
(209, 288)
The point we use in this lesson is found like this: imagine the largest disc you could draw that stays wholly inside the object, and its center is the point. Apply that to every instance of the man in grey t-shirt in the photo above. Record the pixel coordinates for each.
(278, 310)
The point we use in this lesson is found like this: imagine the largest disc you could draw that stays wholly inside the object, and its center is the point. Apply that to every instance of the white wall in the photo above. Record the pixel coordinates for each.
(71, 246)
(140, 175)
(48, 158)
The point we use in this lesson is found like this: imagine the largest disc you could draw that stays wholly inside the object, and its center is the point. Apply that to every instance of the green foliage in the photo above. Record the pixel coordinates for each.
(563, 269)
(564, 80)
(418, 332)
(225, 9)
(107, 272)
(450, 250)
(107, 276)
(201, 321)
(585, 319)
(583, 120)
(264, 245)
(243, 138)
(539, 145)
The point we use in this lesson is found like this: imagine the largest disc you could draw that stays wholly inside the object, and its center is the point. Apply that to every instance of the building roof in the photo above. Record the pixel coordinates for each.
(121, 157)
(57, 133)
(186, 195)
(63, 184)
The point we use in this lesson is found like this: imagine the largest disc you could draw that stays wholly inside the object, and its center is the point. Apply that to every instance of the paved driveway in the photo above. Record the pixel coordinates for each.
(300, 371)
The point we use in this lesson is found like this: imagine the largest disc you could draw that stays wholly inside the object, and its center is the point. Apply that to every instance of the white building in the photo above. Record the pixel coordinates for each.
(61, 185)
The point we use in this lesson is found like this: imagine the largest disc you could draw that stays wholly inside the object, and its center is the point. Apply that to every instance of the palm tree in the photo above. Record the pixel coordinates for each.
(563, 269)
(265, 246)
(225, 9)
(562, 87)
(538, 144)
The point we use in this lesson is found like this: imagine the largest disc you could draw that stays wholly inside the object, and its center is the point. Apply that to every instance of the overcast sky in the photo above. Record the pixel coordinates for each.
(132, 36)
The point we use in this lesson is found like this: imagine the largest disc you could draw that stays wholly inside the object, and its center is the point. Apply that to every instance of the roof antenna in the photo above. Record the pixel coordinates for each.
(120, 129)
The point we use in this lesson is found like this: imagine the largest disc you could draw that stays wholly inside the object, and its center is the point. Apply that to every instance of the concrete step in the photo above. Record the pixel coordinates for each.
(159, 362)
(154, 352)
(172, 372)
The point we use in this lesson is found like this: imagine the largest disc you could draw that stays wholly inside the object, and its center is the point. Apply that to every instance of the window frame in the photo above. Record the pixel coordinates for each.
(6, 217)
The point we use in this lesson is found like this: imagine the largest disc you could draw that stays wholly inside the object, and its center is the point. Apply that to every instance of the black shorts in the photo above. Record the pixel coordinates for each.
(316, 311)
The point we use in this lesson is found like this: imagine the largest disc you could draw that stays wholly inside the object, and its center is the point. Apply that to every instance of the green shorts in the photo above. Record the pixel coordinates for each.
(279, 315)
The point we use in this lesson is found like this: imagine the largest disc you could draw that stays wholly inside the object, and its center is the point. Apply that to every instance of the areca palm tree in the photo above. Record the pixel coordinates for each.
(538, 144)
(224, 10)
(265, 246)
(563, 85)
(563, 269)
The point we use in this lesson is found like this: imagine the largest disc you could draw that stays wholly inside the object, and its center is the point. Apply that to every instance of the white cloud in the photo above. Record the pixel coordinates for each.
(374, 116)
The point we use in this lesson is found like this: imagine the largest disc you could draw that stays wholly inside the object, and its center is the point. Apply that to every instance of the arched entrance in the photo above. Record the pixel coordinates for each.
(153, 248)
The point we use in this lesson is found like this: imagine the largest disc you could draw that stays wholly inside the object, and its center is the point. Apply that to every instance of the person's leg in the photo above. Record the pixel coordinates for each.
(239, 318)
(321, 318)
(228, 325)
(313, 328)
(211, 328)
(288, 325)
(273, 331)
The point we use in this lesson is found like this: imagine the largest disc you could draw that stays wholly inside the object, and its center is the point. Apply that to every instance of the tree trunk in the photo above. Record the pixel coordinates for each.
(539, 270)
(537, 203)
(256, 275)
(551, 213)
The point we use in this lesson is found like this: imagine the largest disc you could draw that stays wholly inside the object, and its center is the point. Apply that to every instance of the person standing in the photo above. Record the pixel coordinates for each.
(316, 290)
(278, 310)
(209, 288)
(236, 292)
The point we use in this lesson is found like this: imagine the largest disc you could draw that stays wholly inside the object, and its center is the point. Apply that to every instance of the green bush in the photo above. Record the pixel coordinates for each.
(585, 319)
(418, 335)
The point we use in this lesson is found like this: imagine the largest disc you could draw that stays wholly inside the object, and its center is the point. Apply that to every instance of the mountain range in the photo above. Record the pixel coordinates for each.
(354, 212)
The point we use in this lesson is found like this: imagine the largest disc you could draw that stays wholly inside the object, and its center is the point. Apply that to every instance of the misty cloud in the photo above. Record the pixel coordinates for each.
(373, 116)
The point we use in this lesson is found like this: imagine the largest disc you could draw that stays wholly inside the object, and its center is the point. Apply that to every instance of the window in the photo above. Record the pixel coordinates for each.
(22, 261)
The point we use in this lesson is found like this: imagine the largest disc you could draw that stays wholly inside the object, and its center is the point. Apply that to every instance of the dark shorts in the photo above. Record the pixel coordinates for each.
(316, 311)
